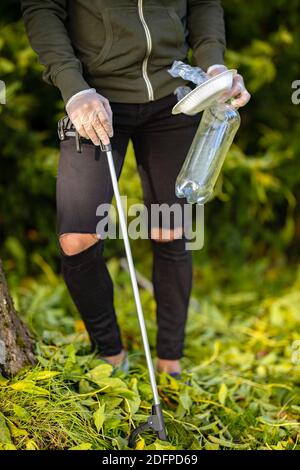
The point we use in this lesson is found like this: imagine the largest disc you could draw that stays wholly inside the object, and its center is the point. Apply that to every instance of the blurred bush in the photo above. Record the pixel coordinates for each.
(254, 212)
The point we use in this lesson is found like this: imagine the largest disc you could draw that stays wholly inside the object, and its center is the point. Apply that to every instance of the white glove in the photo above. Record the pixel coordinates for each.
(238, 90)
(91, 115)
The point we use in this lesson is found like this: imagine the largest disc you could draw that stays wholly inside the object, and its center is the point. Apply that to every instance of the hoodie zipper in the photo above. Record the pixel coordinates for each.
(149, 48)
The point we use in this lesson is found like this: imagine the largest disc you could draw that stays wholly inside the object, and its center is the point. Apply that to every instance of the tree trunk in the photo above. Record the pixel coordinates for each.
(16, 342)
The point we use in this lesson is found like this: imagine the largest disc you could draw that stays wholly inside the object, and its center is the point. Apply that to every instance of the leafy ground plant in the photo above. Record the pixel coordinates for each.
(241, 360)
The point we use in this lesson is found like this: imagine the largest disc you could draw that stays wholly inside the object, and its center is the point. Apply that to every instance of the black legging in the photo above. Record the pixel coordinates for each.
(161, 142)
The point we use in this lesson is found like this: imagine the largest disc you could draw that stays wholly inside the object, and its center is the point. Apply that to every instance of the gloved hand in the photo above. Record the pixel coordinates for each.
(238, 90)
(91, 115)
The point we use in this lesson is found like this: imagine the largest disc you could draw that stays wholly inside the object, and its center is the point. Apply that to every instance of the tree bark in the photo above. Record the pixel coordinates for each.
(16, 342)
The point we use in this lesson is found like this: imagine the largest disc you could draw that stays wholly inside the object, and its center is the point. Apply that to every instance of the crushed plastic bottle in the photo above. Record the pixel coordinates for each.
(207, 153)
(187, 72)
(213, 138)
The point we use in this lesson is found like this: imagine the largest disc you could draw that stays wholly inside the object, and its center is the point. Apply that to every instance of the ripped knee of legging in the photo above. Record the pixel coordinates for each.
(170, 245)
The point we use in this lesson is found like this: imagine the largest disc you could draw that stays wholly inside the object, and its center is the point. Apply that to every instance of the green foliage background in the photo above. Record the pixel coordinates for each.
(246, 279)
(255, 210)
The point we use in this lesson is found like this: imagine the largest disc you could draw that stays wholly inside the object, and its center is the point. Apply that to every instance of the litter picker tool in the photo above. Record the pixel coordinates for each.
(155, 421)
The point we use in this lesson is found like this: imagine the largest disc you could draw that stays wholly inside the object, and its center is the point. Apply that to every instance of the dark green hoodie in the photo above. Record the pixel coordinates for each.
(122, 48)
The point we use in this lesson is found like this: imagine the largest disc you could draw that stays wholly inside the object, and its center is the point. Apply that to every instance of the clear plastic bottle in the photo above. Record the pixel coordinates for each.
(207, 153)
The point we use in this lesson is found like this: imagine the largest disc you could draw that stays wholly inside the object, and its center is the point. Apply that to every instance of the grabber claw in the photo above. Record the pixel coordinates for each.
(154, 422)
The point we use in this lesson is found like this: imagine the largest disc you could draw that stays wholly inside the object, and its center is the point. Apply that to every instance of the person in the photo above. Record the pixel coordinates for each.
(110, 61)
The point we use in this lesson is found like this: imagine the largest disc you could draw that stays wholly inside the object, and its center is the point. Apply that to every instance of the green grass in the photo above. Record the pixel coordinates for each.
(240, 359)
